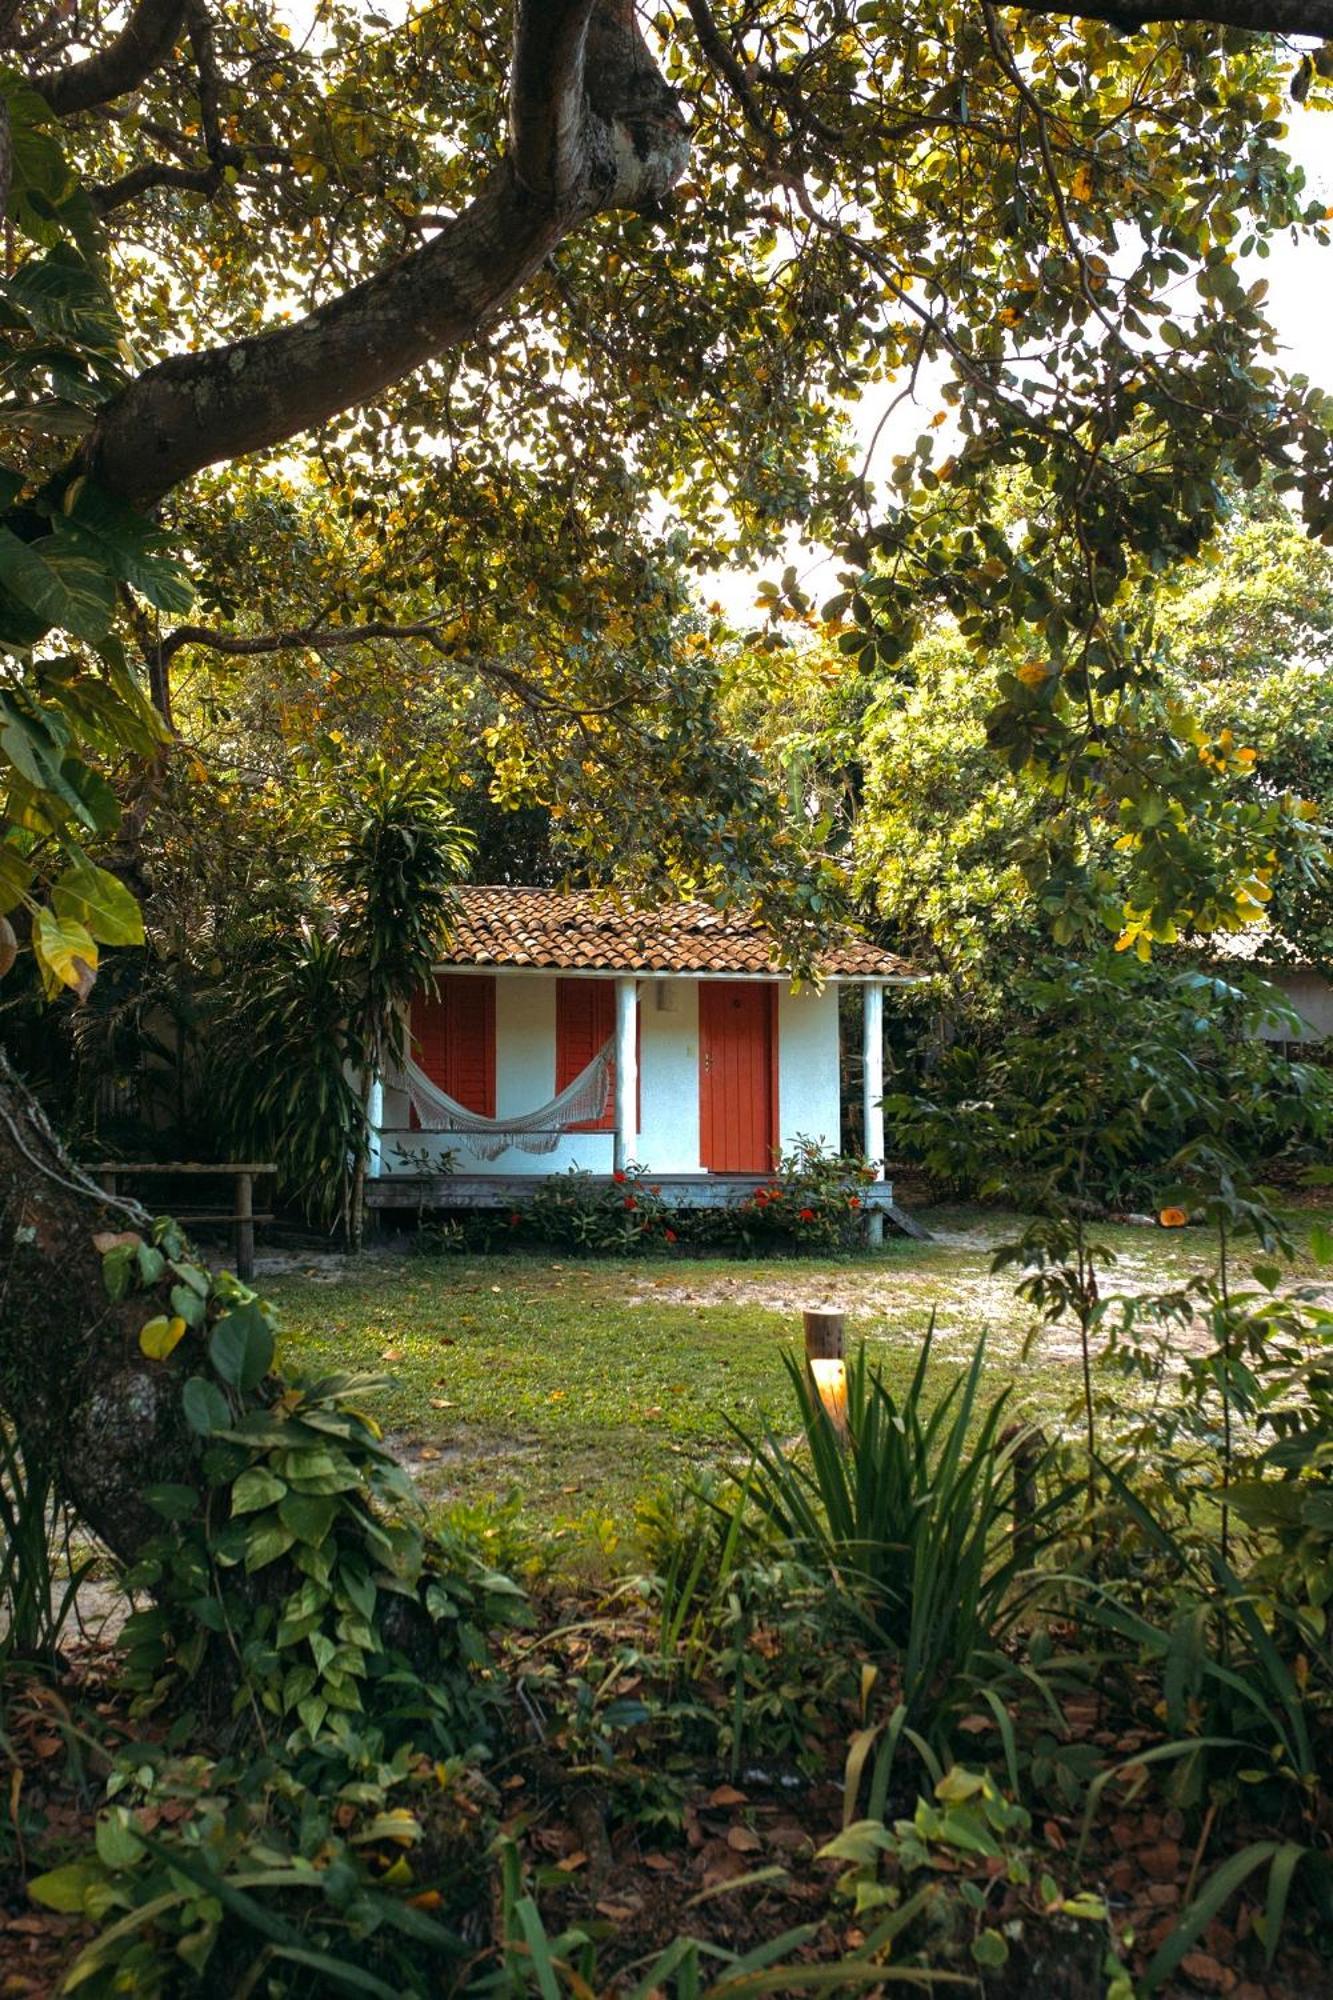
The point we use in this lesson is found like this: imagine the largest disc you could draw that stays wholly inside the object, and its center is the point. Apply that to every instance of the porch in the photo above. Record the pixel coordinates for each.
(423, 1193)
(596, 1039)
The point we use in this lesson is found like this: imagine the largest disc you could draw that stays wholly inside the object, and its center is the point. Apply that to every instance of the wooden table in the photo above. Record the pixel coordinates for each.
(241, 1215)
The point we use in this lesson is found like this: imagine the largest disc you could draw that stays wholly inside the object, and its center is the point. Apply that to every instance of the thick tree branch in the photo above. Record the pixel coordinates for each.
(142, 44)
(546, 97)
(196, 409)
(1260, 17)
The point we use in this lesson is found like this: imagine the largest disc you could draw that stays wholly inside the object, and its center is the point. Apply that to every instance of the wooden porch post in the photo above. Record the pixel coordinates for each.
(627, 1071)
(872, 1092)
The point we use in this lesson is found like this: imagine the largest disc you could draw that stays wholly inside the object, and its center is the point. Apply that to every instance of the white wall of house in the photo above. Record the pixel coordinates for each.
(668, 1139)
(1309, 993)
(809, 1092)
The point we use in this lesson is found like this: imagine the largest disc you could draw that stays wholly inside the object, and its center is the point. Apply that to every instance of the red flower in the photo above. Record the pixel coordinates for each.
(654, 1190)
(619, 1175)
(514, 1218)
(807, 1215)
(670, 1235)
(761, 1198)
(629, 1199)
(855, 1201)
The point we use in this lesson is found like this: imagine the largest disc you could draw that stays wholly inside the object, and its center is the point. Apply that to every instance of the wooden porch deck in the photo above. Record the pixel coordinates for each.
(448, 1191)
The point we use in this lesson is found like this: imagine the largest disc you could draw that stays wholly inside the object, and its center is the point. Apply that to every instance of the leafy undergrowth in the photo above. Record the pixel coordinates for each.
(612, 1840)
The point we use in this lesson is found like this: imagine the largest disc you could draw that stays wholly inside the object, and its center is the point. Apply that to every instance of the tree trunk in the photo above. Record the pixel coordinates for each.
(72, 1378)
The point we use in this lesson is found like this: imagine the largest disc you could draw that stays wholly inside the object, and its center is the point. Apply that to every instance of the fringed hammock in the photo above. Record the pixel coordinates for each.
(579, 1103)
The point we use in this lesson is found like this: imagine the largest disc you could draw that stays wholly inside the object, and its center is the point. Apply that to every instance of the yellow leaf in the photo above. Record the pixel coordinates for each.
(65, 954)
(158, 1336)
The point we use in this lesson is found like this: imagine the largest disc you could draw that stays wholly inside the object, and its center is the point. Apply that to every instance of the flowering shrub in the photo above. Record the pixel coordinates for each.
(813, 1202)
(578, 1211)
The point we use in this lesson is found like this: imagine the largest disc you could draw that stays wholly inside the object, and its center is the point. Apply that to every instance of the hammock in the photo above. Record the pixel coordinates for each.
(539, 1131)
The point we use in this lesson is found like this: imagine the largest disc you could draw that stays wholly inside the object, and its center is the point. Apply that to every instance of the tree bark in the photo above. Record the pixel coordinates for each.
(143, 45)
(72, 1378)
(594, 127)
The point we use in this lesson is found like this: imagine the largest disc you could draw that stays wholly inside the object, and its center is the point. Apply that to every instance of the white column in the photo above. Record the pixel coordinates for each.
(375, 1120)
(627, 1071)
(872, 1075)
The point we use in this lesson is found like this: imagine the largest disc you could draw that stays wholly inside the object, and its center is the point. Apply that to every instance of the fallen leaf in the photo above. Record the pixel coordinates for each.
(1162, 1862)
(743, 1841)
(569, 1862)
(619, 1913)
(661, 1864)
(727, 1795)
(112, 1239)
(442, 1403)
(1205, 1971)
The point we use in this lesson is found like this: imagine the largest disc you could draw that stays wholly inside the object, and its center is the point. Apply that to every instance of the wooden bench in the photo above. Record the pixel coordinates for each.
(241, 1215)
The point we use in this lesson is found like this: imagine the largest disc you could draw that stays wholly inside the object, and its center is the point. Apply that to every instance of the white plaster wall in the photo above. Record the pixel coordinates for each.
(1312, 997)
(525, 1078)
(809, 1100)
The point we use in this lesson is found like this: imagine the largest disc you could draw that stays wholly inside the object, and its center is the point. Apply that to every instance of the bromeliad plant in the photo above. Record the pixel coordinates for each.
(910, 1513)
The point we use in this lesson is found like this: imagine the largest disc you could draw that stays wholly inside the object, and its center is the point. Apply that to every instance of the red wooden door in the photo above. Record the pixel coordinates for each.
(453, 1038)
(738, 1094)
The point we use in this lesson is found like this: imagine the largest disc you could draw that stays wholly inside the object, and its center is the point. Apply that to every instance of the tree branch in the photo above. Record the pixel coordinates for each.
(196, 409)
(546, 98)
(142, 44)
(328, 638)
(1259, 17)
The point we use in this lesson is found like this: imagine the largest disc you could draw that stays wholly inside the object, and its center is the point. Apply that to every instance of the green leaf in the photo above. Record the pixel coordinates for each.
(93, 897)
(172, 1502)
(15, 878)
(990, 1949)
(308, 1516)
(64, 1888)
(60, 588)
(241, 1347)
(266, 1541)
(151, 1263)
(118, 1267)
(188, 1305)
(255, 1489)
(206, 1408)
(118, 1846)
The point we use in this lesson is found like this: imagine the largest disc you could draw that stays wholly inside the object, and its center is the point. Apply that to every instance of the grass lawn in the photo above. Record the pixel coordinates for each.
(578, 1385)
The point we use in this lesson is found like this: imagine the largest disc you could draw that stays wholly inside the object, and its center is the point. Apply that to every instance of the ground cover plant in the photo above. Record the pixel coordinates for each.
(1114, 1783)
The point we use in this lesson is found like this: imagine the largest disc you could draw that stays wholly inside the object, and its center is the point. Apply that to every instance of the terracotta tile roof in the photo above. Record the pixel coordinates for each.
(579, 932)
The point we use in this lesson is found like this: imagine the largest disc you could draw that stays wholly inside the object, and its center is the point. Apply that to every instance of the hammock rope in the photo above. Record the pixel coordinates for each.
(539, 1131)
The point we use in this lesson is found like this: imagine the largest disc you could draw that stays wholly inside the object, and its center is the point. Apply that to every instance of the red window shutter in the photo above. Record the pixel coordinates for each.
(453, 1034)
(585, 1018)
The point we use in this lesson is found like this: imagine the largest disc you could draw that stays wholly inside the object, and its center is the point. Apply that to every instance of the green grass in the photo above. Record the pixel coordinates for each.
(578, 1385)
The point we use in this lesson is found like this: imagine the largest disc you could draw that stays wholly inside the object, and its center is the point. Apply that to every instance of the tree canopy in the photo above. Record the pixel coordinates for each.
(483, 299)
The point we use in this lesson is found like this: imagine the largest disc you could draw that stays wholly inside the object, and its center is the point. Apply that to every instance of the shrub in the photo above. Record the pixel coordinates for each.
(910, 1513)
(813, 1202)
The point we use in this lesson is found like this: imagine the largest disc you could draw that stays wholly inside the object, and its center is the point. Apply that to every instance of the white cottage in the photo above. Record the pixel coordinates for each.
(569, 1031)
